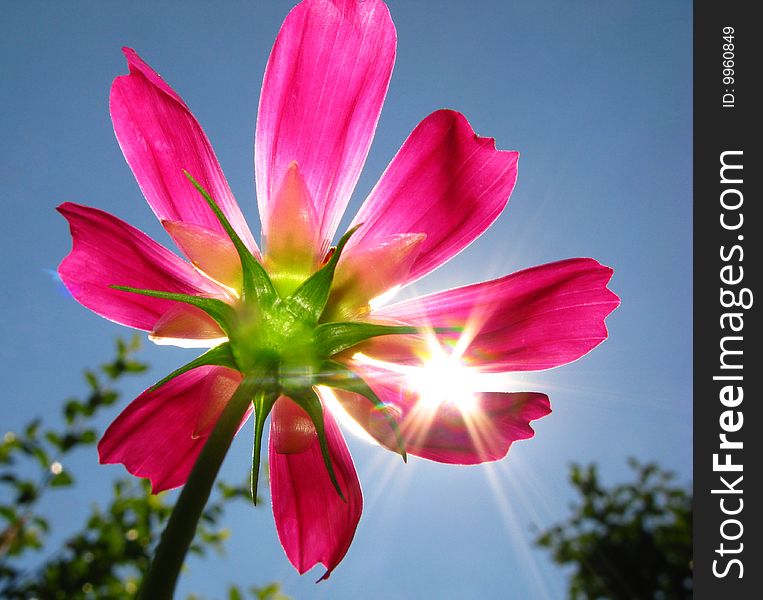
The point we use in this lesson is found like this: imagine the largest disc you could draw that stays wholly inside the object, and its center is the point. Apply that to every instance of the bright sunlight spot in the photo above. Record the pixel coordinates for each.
(442, 377)
(384, 298)
(186, 343)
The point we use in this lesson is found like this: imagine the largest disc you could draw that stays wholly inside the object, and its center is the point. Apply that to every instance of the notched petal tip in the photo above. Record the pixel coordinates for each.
(159, 137)
(536, 319)
(64, 207)
(160, 434)
(465, 430)
(458, 120)
(129, 53)
(137, 66)
(105, 251)
(616, 300)
(609, 298)
(461, 184)
(314, 525)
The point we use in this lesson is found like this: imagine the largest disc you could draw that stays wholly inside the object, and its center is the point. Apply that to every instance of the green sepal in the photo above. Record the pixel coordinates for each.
(256, 281)
(308, 400)
(309, 299)
(220, 356)
(222, 312)
(263, 403)
(336, 375)
(331, 338)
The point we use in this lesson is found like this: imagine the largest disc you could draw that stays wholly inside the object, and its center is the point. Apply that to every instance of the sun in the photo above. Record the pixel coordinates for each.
(441, 378)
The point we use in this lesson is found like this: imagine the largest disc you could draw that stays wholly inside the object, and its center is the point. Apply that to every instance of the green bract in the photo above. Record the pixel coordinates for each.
(281, 343)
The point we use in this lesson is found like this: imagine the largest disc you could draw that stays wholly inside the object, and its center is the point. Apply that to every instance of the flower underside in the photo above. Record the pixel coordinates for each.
(302, 331)
(281, 343)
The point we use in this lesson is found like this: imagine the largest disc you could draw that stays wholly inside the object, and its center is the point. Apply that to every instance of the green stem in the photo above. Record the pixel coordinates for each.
(160, 581)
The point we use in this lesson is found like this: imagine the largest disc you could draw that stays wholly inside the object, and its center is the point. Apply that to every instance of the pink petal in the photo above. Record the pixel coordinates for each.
(209, 251)
(187, 326)
(107, 251)
(160, 138)
(534, 319)
(314, 524)
(292, 431)
(321, 98)
(291, 234)
(446, 433)
(161, 433)
(372, 269)
(445, 182)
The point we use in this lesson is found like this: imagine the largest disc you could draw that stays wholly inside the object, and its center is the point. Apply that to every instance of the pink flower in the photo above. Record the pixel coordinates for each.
(311, 324)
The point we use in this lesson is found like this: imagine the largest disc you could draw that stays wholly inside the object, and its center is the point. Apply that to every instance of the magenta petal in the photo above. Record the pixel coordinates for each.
(107, 251)
(292, 431)
(372, 269)
(314, 524)
(160, 434)
(445, 182)
(483, 434)
(446, 433)
(321, 98)
(209, 251)
(291, 235)
(160, 138)
(187, 326)
(534, 319)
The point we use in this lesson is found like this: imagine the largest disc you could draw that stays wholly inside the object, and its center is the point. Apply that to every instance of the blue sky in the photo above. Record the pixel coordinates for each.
(597, 98)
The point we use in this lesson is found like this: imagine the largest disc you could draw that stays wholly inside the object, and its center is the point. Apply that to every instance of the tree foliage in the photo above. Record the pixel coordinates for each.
(630, 541)
(107, 557)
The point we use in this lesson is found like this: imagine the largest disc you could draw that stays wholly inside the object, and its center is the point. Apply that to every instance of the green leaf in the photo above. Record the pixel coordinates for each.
(88, 436)
(134, 366)
(309, 402)
(234, 594)
(42, 457)
(26, 492)
(309, 299)
(271, 591)
(54, 439)
(109, 397)
(331, 338)
(220, 356)
(256, 280)
(336, 375)
(92, 379)
(220, 311)
(32, 428)
(62, 479)
(68, 442)
(229, 492)
(71, 409)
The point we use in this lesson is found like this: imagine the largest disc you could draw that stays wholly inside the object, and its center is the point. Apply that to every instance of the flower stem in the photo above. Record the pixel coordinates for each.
(159, 583)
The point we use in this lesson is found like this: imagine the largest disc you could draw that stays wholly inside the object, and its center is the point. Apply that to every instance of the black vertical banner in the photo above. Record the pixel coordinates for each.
(728, 404)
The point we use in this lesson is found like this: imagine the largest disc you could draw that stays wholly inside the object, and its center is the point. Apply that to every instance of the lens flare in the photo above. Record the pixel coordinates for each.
(441, 378)
(386, 297)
